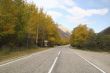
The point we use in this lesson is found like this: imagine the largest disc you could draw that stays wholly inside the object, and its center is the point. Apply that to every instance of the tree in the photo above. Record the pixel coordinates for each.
(81, 35)
(7, 21)
(23, 23)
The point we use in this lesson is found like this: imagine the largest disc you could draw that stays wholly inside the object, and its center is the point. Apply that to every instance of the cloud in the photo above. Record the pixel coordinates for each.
(74, 14)
(78, 15)
(47, 4)
(76, 20)
(67, 2)
(80, 12)
(98, 11)
(54, 14)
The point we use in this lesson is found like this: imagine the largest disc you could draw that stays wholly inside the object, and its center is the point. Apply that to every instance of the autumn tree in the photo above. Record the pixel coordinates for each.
(7, 21)
(24, 24)
(80, 36)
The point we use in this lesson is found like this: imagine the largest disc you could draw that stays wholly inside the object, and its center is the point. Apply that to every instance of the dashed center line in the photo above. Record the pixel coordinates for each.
(54, 62)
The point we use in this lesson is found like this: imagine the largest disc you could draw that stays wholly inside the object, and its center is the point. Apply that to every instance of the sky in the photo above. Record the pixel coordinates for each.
(70, 13)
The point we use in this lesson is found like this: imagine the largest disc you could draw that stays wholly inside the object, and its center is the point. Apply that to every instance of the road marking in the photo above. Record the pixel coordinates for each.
(24, 57)
(59, 53)
(91, 64)
(55, 60)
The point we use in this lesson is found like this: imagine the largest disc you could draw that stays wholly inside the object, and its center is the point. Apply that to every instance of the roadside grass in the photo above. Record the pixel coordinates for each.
(96, 49)
(93, 49)
(8, 55)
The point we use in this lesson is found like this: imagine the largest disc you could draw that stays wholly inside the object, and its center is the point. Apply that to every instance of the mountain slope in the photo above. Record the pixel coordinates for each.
(64, 32)
(105, 31)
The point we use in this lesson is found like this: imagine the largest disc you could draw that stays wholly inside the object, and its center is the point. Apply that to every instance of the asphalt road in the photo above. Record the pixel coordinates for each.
(56, 60)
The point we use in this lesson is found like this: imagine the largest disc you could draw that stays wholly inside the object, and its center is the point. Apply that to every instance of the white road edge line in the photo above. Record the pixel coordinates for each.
(91, 64)
(16, 60)
(24, 57)
(55, 60)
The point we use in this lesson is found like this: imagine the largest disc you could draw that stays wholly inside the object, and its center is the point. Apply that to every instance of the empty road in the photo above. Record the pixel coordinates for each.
(60, 59)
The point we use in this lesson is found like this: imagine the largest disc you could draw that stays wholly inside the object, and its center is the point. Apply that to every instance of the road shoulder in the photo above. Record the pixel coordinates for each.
(101, 59)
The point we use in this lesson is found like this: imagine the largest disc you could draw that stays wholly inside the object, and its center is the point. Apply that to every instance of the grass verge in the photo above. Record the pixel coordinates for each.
(19, 53)
(93, 49)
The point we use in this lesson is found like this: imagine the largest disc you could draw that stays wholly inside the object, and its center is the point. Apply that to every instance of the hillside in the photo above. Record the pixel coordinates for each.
(105, 31)
(64, 32)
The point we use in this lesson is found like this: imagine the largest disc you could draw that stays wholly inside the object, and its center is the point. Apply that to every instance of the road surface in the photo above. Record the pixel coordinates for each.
(60, 59)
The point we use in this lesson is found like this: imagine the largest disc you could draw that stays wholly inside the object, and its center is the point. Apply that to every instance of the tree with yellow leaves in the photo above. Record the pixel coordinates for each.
(80, 35)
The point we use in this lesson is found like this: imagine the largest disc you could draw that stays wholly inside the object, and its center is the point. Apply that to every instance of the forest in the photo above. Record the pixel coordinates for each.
(23, 24)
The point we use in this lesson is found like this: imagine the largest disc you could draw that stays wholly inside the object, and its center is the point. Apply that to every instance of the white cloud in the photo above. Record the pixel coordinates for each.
(54, 14)
(77, 11)
(97, 11)
(76, 14)
(67, 2)
(76, 20)
(47, 4)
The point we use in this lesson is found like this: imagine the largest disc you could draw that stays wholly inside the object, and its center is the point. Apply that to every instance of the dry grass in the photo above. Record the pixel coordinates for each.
(16, 54)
